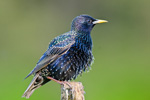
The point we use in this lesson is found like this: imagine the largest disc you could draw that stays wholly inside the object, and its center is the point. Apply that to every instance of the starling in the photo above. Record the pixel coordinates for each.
(67, 56)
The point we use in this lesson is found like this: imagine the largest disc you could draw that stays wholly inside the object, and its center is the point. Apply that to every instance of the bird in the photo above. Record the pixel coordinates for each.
(67, 56)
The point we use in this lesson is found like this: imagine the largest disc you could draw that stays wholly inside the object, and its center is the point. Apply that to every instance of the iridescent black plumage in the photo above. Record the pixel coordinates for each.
(67, 55)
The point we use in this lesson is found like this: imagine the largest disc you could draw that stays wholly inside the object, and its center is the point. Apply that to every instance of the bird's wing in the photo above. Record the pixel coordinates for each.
(59, 46)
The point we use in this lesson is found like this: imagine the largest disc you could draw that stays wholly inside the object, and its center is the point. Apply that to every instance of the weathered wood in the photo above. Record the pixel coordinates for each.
(72, 91)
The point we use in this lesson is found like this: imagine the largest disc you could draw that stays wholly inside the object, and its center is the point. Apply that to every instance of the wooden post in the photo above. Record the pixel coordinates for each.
(72, 91)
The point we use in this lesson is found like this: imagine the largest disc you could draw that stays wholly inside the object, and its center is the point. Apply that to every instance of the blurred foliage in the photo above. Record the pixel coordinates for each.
(121, 70)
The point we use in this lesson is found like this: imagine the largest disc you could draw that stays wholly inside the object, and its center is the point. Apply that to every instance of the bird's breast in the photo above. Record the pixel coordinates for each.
(70, 65)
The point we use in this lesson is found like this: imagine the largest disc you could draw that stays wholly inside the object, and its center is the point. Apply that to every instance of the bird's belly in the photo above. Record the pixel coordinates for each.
(70, 65)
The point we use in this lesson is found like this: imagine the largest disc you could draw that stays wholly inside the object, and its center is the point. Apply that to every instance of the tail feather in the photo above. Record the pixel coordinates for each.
(35, 83)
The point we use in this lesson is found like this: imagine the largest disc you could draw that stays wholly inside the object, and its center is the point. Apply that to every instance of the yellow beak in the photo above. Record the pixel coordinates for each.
(100, 21)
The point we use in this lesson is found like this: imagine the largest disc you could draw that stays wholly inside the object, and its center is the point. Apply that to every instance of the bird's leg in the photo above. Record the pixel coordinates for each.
(59, 82)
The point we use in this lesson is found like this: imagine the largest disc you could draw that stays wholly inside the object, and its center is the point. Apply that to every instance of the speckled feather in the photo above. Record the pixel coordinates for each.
(67, 56)
(74, 61)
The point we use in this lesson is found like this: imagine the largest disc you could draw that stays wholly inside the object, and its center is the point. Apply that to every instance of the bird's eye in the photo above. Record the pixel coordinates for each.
(90, 21)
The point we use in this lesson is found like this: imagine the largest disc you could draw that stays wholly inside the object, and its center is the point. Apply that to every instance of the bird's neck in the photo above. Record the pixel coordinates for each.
(84, 39)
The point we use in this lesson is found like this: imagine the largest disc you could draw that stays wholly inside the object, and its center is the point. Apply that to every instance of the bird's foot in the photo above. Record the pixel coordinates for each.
(68, 84)
(60, 82)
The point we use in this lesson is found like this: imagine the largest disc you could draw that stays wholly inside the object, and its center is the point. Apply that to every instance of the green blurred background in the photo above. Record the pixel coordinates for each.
(121, 70)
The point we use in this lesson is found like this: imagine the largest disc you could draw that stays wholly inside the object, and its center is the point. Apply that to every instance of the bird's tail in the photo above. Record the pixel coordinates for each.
(35, 83)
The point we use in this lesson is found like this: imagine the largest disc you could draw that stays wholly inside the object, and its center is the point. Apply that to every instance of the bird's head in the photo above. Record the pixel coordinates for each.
(84, 23)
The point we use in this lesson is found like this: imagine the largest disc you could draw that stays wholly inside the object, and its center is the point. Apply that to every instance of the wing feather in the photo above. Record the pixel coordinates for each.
(53, 52)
